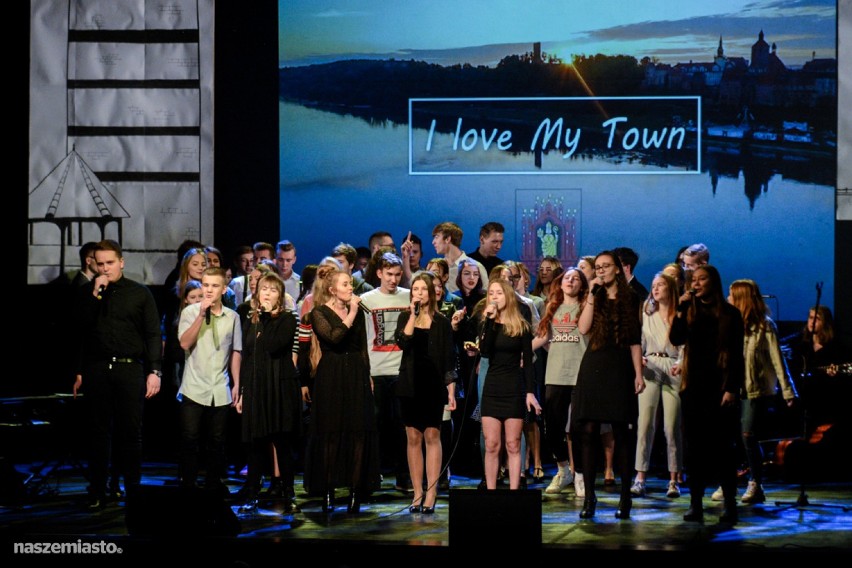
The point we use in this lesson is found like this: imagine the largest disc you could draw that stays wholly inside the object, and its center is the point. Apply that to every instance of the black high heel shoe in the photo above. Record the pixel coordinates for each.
(416, 506)
(427, 510)
(328, 504)
(589, 506)
(354, 503)
(624, 506)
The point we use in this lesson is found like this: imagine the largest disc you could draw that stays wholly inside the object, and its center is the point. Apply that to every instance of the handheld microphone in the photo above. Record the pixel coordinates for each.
(101, 289)
(207, 315)
(494, 313)
(416, 309)
(773, 296)
(364, 308)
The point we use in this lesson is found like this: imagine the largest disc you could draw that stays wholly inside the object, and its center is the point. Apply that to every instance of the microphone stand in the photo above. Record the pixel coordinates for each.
(802, 500)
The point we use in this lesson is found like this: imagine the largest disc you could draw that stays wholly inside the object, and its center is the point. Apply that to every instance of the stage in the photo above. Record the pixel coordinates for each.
(52, 510)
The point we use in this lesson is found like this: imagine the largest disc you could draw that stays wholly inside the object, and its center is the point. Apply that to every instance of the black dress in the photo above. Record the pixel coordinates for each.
(343, 445)
(504, 392)
(605, 390)
(426, 408)
(428, 365)
(272, 399)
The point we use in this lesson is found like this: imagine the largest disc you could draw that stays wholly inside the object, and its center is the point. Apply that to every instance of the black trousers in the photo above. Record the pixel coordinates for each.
(115, 396)
(196, 422)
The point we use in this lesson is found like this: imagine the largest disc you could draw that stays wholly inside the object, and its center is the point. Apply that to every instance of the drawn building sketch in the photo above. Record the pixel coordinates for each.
(121, 99)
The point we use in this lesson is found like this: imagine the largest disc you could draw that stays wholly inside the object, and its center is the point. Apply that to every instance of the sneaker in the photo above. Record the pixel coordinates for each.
(718, 495)
(638, 488)
(249, 507)
(557, 484)
(673, 491)
(579, 487)
(754, 493)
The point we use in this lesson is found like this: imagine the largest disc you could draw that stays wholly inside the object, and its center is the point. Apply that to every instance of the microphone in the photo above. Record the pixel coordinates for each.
(773, 296)
(207, 315)
(416, 309)
(101, 289)
(364, 308)
(494, 314)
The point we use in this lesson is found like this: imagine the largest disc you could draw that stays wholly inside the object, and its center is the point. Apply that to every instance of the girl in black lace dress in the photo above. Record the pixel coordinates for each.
(343, 448)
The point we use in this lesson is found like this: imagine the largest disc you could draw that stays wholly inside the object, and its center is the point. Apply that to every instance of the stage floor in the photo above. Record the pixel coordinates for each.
(53, 511)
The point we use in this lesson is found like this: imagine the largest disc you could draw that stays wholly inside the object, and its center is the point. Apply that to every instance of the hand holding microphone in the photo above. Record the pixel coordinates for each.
(597, 285)
(491, 310)
(685, 300)
(101, 283)
(355, 302)
(207, 315)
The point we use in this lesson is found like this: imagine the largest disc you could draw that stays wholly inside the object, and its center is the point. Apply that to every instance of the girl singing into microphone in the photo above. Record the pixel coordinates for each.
(508, 392)
(427, 376)
(609, 379)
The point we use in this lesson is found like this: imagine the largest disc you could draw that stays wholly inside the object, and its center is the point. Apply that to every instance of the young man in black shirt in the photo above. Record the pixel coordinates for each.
(119, 366)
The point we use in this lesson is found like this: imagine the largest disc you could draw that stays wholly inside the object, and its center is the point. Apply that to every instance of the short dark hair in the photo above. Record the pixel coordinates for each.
(210, 249)
(449, 229)
(387, 260)
(627, 256)
(109, 244)
(699, 251)
(346, 250)
(491, 227)
(86, 250)
(416, 240)
(376, 236)
(263, 245)
(186, 245)
(285, 246)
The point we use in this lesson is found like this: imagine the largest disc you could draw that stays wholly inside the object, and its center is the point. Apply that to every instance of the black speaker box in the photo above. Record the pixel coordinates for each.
(171, 511)
(498, 516)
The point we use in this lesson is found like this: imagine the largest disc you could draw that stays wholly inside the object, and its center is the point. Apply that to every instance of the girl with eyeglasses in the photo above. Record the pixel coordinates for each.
(609, 379)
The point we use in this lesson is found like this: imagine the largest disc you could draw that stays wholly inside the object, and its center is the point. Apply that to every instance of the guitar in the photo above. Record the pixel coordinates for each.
(839, 369)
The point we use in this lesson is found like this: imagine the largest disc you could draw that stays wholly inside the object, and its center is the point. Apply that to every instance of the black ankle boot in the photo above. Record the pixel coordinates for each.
(276, 488)
(729, 514)
(354, 503)
(624, 506)
(589, 505)
(328, 504)
(290, 505)
(695, 513)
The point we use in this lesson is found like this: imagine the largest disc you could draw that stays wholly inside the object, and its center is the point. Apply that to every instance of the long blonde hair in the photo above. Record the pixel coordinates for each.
(321, 293)
(513, 322)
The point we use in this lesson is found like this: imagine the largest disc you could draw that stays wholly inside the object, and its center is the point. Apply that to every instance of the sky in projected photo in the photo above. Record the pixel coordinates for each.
(481, 32)
(349, 151)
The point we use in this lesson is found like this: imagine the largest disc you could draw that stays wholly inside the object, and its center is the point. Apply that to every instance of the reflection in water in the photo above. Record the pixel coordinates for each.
(747, 202)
